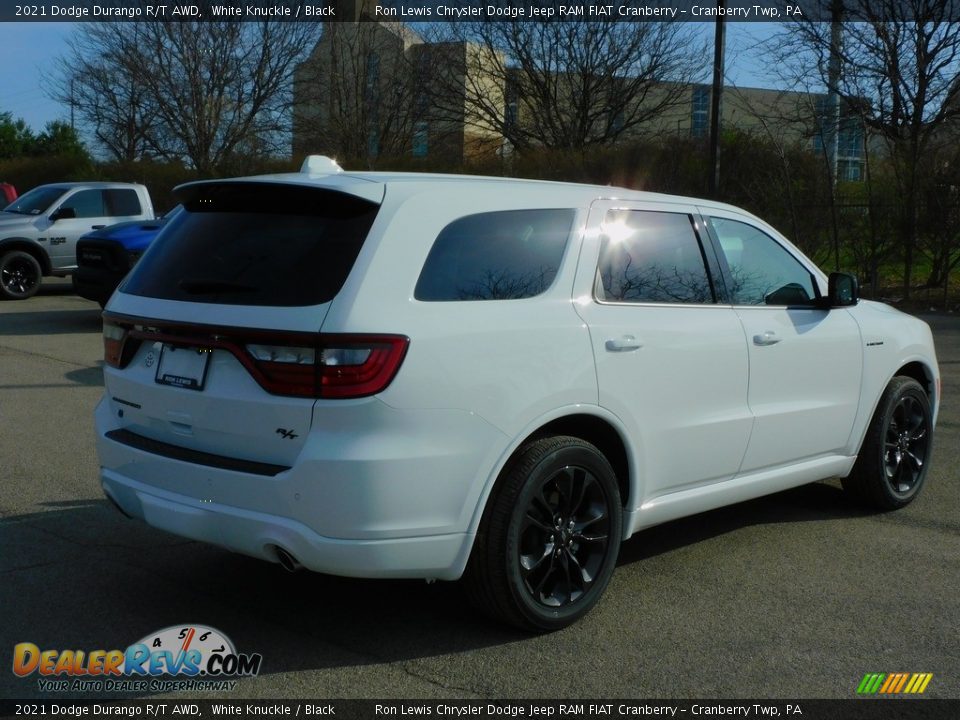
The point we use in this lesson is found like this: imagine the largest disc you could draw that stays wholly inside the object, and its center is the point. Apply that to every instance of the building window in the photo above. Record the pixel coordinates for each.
(421, 136)
(510, 118)
(850, 170)
(372, 79)
(700, 111)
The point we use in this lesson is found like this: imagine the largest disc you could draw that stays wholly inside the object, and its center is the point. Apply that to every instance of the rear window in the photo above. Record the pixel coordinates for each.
(123, 202)
(505, 255)
(255, 244)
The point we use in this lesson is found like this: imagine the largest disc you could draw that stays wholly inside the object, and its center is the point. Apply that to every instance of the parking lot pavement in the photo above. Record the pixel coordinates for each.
(797, 595)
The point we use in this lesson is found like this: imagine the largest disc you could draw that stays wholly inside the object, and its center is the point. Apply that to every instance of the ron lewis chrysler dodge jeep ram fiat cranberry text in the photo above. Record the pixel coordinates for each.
(402, 375)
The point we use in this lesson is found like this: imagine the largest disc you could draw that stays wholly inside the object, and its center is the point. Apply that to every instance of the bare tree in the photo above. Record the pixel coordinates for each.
(899, 65)
(93, 79)
(197, 91)
(566, 85)
(355, 96)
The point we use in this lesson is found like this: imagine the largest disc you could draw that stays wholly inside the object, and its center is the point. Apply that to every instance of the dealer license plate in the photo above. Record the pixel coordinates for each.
(184, 367)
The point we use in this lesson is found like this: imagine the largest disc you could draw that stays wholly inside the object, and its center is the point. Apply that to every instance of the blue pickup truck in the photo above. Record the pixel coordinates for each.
(104, 257)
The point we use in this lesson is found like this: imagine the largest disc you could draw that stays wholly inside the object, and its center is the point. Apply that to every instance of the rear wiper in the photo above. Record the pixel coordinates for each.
(209, 287)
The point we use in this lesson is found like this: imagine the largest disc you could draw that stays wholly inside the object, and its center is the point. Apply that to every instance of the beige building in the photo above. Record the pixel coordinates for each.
(369, 90)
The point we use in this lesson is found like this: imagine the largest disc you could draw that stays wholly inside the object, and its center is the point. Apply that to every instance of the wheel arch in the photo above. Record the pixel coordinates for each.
(28, 246)
(922, 374)
(587, 422)
(597, 431)
(916, 368)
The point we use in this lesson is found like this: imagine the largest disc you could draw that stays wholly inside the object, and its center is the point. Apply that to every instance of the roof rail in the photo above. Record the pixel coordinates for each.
(320, 165)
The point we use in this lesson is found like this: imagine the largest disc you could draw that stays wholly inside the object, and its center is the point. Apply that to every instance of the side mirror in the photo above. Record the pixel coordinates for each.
(64, 213)
(843, 290)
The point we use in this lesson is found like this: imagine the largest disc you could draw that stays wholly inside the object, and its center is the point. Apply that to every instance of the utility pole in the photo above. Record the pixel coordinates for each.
(715, 97)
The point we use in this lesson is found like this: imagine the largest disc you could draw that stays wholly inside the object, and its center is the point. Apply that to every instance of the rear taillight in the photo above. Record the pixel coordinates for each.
(296, 364)
(341, 366)
(114, 339)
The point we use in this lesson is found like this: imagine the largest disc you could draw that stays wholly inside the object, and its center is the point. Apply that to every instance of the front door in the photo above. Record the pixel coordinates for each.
(805, 362)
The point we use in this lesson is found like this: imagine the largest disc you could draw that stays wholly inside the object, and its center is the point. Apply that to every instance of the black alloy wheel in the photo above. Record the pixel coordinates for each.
(564, 537)
(892, 464)
(549, 538)
(20, 275)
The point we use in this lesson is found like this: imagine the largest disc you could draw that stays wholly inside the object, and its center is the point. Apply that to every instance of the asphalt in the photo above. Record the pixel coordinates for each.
(796, 595)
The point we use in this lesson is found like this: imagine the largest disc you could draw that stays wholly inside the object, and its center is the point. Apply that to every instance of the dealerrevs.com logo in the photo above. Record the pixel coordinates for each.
(201, 657)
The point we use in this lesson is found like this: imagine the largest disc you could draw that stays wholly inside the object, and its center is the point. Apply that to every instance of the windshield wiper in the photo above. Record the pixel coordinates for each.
(210, 287)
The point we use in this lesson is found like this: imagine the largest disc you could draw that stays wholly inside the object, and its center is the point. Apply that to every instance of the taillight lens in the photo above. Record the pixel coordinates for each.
(114, 338)
(341, 366)
(296, 364)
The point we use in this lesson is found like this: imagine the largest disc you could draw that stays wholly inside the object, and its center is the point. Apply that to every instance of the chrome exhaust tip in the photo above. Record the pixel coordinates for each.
(288, 561)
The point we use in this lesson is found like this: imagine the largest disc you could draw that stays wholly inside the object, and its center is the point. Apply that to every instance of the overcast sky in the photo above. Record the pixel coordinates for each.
(28, 50)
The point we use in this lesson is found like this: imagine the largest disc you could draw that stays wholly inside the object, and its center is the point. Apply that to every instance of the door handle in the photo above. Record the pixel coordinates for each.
(97, 227)
(767, 338)
(625, 343)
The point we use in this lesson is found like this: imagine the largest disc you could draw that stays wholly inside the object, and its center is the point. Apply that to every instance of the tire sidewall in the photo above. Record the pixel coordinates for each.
(895, 395)
(13, 255)
(591, 460)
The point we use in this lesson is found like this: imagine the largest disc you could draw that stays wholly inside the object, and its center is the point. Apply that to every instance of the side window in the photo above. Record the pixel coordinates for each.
(87, 204)
(651, 257)
(122, 202)
(763, 272)
(504, 255)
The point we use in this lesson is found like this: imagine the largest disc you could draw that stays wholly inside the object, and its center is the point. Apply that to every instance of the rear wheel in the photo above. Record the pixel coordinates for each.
(893, 461)
(20, 275)
(549, 538)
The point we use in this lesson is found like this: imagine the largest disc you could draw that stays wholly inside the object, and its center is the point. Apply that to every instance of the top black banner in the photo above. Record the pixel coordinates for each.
(482, 10)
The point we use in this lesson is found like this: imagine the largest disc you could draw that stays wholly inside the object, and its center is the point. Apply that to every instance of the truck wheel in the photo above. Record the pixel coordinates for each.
(20, 275)
(893, 461)
(549, 538)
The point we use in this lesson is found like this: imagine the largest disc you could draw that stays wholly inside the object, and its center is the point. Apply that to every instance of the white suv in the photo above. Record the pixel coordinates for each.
(404, 375)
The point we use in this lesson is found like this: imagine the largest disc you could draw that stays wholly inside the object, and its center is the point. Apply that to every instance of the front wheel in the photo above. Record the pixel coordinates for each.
(20, 275)
(893, 461)
(549, 538)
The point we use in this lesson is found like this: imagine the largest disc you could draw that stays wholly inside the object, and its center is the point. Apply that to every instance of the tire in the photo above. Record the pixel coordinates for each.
(20, 275)
(894, 458)
(549, 537)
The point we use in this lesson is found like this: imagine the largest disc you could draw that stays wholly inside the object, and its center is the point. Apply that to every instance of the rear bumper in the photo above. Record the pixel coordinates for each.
(375, 492)
(260, 535)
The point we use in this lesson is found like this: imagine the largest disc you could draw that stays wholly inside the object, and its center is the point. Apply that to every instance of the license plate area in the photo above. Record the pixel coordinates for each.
(183, 367)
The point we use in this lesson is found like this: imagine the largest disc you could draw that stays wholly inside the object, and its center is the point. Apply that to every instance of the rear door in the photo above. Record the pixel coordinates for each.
(805, 362)
(670, 355)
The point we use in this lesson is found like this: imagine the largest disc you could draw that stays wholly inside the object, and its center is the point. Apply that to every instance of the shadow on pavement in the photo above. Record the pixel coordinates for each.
(79, 575)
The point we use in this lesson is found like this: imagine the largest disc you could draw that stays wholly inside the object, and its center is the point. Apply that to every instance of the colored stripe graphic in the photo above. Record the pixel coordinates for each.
(894, 683)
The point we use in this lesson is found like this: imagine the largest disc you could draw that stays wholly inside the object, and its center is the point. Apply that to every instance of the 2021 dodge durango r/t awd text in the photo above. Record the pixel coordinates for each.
(402, 375)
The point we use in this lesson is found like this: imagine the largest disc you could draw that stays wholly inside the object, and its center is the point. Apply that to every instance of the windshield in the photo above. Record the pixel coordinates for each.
(36, 201)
